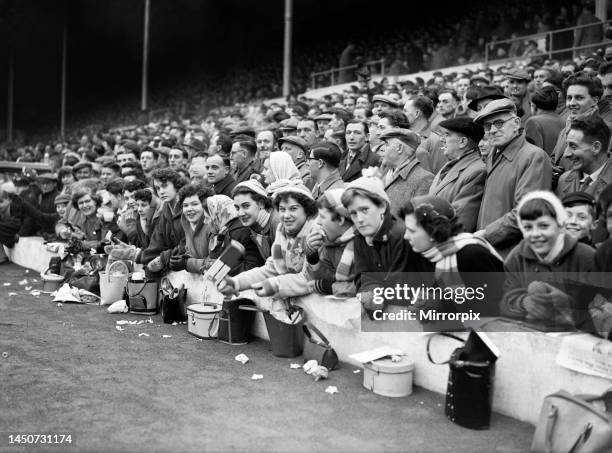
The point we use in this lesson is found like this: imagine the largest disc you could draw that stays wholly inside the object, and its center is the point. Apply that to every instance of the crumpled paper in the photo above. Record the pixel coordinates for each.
(331, 389)
(122, 322)
(166, 336)
(242, 358)
(143, 334)
(118, 307)
(317, 371)
(257, 377)
(119, 328)
(295, 366)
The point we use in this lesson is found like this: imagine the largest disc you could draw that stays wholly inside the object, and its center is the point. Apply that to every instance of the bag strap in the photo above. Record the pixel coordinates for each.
(551, 420)
(210, 326)
(444, 334)
(144, 285)
(606, 397)
(112, 265)
(582, 438)
(307, 327)
(166, 287)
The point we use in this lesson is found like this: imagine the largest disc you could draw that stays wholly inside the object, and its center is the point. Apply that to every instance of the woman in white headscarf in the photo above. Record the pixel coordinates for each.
(279, 167)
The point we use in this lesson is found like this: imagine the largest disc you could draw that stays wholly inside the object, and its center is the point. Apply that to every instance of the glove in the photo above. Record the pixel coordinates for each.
(368, 302)
(178, 263)
(266, 288)
(537, 308)
(600, 310)
(313, 242)
(227, 286)
(156, 265)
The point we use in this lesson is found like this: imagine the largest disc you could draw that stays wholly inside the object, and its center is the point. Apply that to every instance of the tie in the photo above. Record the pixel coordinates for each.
(586, 182)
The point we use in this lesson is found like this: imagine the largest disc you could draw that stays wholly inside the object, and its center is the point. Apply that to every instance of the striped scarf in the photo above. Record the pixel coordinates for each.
(288, 252)
(263, 241)
(345, 269)
(444, 256)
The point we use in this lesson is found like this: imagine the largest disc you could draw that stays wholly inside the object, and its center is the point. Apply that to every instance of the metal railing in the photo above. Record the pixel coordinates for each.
(549, 42)
(332, 78)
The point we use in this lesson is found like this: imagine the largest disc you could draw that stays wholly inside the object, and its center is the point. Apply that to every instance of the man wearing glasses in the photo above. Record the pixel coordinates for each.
(514, 168)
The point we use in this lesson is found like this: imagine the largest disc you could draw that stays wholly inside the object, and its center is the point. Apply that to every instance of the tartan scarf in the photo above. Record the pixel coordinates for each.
(444, 256)
(288, 252)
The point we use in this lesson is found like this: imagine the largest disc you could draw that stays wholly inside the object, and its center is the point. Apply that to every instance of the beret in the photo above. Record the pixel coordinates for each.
(386, 99)
(294, 140)
(518, 74)
(495, 107)
(574, 198)
(405, 135)
(464, 125)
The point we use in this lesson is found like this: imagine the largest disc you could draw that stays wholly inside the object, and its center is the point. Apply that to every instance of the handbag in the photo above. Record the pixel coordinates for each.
(173, 302)
(573, 424)
(468, 392)
(318, 349)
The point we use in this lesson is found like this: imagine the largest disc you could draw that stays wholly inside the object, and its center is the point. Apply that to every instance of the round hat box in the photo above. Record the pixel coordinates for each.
(387, 378)
(203, 320)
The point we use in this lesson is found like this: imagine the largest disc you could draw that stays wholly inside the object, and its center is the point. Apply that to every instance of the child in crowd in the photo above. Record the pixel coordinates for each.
(580, 210)
(61, 204)
(543, 272)
(330, 250)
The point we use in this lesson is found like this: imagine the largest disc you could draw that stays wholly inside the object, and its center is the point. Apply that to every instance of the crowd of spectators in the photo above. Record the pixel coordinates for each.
(501, 177)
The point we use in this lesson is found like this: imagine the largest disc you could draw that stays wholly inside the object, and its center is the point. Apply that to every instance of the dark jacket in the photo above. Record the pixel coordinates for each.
(384, 262)
(461, 183)
(522, 267)
(225, 186)
(244, 174)
(166, 235)
(544, 130)
(365, 159)
(236, 231)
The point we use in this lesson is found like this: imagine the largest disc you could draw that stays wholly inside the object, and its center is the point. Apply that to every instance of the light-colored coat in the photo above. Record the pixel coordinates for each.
(521, 168)
(462, 186)
(410, 180)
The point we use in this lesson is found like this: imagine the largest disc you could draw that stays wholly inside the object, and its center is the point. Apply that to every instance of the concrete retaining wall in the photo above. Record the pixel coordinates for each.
(525, 373)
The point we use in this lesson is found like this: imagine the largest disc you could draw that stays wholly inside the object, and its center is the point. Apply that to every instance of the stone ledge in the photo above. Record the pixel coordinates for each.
(525, 373)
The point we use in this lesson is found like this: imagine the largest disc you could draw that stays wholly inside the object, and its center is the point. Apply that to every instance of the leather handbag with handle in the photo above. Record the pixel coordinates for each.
(574, 424)
(318, 349)
(173, 302)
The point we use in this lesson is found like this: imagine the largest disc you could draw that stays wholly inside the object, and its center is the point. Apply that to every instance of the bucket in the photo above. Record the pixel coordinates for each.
(113, 281)
(203, 320)
(286, 340)
(51, 282)
(234, 323)
(142, 297)
(387, 378)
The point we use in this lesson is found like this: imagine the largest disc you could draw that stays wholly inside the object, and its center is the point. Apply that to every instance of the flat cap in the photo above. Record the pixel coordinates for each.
(386, 99)
(289, 124)
(518, 74)
(82, 165)
(294, 140)
(407, 136)
(495, 107)
(163, 150)
(242, 130)
(130, 145)
(464, 125)
(47, 176)
(196, 145)
(62, 198)
(486, 92)
(477, 77)
(324, 117)
(574, 198)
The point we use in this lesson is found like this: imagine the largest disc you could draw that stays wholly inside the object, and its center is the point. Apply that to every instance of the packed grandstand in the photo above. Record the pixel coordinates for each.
(499, 168)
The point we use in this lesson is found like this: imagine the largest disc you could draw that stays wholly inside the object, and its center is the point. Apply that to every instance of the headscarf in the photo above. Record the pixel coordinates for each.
(221, 210)
(282, 168)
